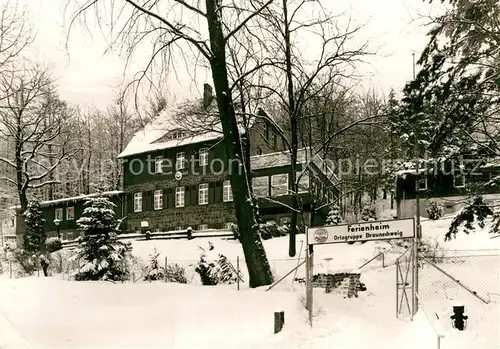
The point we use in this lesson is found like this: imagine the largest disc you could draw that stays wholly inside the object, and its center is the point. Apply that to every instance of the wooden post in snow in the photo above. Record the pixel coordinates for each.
(279, 320)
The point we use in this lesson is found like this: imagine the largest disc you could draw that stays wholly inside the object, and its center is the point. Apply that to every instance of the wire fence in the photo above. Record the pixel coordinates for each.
(470, 278)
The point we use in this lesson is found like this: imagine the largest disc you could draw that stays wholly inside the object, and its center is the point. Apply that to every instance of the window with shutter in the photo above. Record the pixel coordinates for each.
(203, 194)
(158, 200)
(227, 194)
(138, 202)
(179, 196)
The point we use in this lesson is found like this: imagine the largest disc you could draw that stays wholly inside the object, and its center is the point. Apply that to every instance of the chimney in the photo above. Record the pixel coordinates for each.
(207, 95)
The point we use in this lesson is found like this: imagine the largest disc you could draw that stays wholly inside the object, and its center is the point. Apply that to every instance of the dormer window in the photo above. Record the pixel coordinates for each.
(177, 134)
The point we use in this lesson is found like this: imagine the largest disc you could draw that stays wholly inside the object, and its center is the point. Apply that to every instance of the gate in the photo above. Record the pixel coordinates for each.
(405, 283)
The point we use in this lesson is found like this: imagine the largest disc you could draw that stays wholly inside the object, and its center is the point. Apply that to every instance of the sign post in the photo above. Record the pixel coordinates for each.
(310, 252)
(352, 232)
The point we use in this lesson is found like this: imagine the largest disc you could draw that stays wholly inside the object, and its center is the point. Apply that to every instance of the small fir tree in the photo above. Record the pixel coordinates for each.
(104, 257)
(434, 210)
(334, 217)
(154, 271)
(34, 239)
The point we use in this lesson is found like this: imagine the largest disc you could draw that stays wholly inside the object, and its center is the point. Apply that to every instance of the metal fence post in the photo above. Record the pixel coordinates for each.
(10, 268)
(397, 287)
(166, 264)
(238, 270)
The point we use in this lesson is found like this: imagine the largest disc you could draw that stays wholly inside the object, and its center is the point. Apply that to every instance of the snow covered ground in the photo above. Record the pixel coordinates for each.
(55, 313)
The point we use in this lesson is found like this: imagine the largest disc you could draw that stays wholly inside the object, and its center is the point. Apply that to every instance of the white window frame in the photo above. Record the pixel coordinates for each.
(158, 199)
(202, 226)
(203, 194)
(70, 209)
(203, 157)
(59, 214)
(420, 186)
(279, 186)
(180, 161)
(463, 181)
(178, 228)
(227, 191)
(180, 196)
(138, 202)
(258, 188)
(159, 164)
(228, 225)
(303, 183)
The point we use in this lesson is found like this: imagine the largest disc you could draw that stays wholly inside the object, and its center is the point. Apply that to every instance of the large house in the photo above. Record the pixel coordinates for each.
(176, 172)
(449, 185)
(175, 175)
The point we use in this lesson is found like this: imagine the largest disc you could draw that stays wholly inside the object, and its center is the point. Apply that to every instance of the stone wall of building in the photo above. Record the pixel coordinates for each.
(346, 284)
(190, 216)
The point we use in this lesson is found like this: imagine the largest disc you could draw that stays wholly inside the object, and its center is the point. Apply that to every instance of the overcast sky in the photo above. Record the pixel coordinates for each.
(88, 77)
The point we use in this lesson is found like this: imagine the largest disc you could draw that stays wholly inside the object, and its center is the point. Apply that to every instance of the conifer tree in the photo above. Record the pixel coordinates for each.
(103, 256)
(334, 217)
(34, 239)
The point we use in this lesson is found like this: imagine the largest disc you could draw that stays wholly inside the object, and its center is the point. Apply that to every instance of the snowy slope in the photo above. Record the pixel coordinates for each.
(54, 313)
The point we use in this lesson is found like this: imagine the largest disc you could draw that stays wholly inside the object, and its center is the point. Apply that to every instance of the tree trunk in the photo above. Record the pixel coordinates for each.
(259, 271)
(294, 136)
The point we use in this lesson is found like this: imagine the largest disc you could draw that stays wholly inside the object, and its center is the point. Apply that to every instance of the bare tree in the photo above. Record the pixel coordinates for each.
(171, 34)
(38, 145)
(295, 79)
(15, 34)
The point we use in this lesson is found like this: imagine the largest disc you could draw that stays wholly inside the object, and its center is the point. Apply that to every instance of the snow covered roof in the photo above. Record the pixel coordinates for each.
(76, 198)
(199, 124)
(279, 159)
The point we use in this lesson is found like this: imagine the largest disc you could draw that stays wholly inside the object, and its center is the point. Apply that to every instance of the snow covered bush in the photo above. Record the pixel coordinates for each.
(176, 273)
(58, 260)
(154, 271)
(215, 268)
(434, 210)
(271, 230)
(34, 238)
(334, 217)
(53, 244)
(432, 250)
(369, 213)
(101, 254)
(267, 230)
(26, 262)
